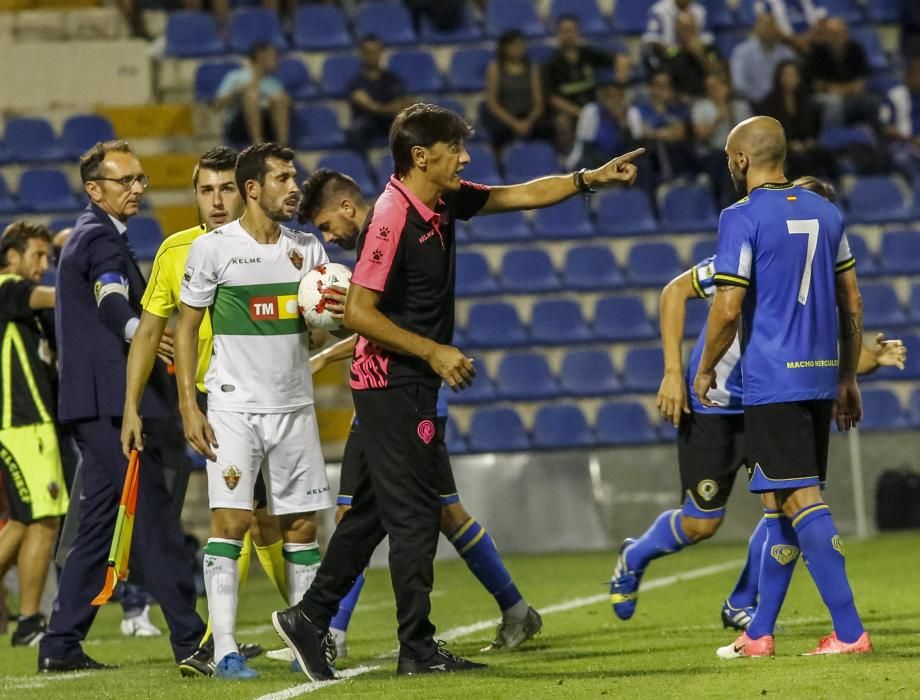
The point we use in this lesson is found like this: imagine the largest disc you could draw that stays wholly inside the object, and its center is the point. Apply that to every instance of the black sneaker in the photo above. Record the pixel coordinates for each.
(29, 631)
(442, 661)
(250, 650)
(309, 643)
(199, 663)
(76, 662)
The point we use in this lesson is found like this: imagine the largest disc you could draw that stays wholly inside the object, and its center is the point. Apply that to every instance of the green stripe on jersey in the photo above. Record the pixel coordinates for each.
(257, 309)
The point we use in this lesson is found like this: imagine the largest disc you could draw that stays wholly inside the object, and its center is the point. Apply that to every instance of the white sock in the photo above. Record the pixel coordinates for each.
(301, 562)
(222, 583)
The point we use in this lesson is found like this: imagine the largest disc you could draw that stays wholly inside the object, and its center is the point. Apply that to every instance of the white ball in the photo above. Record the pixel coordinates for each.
(311, 290)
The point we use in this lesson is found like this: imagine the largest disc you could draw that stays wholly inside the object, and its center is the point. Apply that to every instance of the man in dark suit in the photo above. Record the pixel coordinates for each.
(98, 310)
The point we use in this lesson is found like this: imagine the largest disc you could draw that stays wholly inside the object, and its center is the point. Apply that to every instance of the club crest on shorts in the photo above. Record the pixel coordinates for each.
(837, 544)
(707, 489)
(231, 476)
(784, 553)
(425, 431)
(296, 258)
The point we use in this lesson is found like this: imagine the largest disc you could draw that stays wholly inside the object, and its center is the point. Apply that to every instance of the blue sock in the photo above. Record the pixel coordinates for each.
(744, 594)
(347, 606)
(823, 553)
(665, 536)
(473, 543)
(780, 552)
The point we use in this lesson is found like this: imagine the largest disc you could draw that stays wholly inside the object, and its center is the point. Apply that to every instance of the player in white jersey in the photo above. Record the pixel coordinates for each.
(245, 274)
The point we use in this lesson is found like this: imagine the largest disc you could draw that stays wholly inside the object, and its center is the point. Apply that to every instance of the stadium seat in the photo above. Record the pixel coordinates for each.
(643, 369)
(337, 73)
(652, 264)
(473, 275)
(495, 325)
(468, 69)
(591, 267)
(528, 270)
(82, 131)
(915, 408)
(882, 411)
(526, 160)
(623, 423)
(900, 254)
(568, 219)
(388, 20)
(504, 15)
(625, 212)
(876, 199)
(61, 223)
(588, 373)
(837, 137)
(728, 41)
(688, 208)
(353, 165)
(497, 430)
(695, 319)
(49, 276)
(719, 16)
(525, 377)
(467, 30)
(8, 204)
(295, 76)
(495, 228)
(208, 78)
(883, 11)
(482, 167)
(702, 250)
(320, 27)
(911, 363)
(32, 140)
(845, 9)
(619, 319)
(631, 17)
(453, 438)
(191, 34)
(417, 70)
(866, 264)
(317, 127)
(881, 308)
(869, 39)
(482, 390)
(145, 235)
(560, 427)
(558, 322)
(44, 191)
(254, 25)
(589, 15)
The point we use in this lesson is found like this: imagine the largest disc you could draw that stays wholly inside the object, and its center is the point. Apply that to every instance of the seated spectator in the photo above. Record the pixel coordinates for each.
(570, 77)
(376, 95)
(442, 16)
(660, 123)
(257, 106)
(514, 93)
(601, 132)
(910, 28)
(901, 120)
(754, 61)
(660, 39)
(692, 60)
(795, 19)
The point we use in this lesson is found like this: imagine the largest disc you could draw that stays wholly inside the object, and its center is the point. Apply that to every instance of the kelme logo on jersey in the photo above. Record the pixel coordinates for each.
(273, 308)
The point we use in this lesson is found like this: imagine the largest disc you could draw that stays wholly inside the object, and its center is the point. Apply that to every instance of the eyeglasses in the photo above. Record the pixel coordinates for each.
(128, 180)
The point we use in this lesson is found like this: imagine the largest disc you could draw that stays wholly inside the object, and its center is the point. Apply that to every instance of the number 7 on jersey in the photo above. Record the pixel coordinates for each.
(809, 226)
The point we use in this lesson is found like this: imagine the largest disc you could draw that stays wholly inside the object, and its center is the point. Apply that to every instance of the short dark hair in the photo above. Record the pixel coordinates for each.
(321, 187)
(818, 186)
(370, 36)
(218, 159)
(17, 235)
(252, 163)
(568, 17)
(91, 161)
(424, 125)
(257, 48)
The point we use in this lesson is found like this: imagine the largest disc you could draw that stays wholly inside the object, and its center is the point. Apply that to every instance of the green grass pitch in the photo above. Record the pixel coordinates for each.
(666, 650)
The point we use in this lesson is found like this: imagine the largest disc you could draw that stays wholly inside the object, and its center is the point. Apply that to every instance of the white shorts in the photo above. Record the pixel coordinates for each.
(285, 446)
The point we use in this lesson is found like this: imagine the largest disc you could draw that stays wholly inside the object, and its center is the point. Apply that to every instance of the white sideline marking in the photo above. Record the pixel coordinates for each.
(33, 682)
(459, 632)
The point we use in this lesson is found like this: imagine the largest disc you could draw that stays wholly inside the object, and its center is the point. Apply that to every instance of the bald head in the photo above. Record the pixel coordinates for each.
(756, 147)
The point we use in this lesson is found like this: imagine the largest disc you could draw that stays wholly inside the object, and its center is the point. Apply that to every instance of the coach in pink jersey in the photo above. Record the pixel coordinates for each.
(401, 303)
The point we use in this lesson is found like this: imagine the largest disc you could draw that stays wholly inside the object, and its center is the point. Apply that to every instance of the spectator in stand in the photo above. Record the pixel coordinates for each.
(257, 106)
(660, 41)
(901, 119)
(376, 96)
(601, 131)
(570, 77)
(660, 122)
(754, 61)
(692, 60)
(442, 16)
(795, 19)
(910, 28)
(514, 92)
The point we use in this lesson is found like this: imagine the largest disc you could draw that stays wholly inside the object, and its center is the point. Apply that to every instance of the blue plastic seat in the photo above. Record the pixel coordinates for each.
(388, 20)
(866, 264)
(495, 325)
(560, 427)
(568, 219)
(695, 319)
(719, 16)
(482, 390)
(728, 41)
(882, 411)
(588, 373)
(482, 167)
(337, 74)
(525, 377)
(295, 77)
(631, 17)
(44, 191)
(876, 199)
(884, 11)
(914, 305)
(418, 71)
(643, 369)
(495, 228)
(60, 223)
(32, 140)
(618, 319)
(624, 213)
(8, 203)
(915, 408)
(468, 69)
(528, 160)
(191, 34)
(473, 275)
(652, 264)
(497, 430)
(83, 131)
(145, 235)
(900, 253)
(527, 271)
(453, 438)
(881, 308)
(589, 15)
(845, 9)
(703, 249)
(911, 363)
(254, 25)
(688, 208)
(505, 15)
(209, 76)
(317, 127)
(558, 322)
(467, 30)
(869, 39)
(351, 164)
(319, 27)
(591, 267)
(623, 423)
(836, 137)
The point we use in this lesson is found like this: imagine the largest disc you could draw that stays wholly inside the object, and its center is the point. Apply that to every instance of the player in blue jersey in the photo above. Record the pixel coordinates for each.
(786, 278)
(334, 204)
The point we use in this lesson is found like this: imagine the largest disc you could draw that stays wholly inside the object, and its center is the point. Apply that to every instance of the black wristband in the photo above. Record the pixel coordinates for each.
(579, 176)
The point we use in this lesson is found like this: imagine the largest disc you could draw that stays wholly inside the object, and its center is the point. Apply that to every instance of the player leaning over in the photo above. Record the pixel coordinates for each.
(260, 393)
(784, 264)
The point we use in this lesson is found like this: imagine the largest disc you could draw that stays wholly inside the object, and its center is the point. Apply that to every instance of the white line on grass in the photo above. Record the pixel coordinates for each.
(32, 682)
(460, 632)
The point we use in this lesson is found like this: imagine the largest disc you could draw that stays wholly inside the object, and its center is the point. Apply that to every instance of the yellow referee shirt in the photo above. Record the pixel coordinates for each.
(161, 298)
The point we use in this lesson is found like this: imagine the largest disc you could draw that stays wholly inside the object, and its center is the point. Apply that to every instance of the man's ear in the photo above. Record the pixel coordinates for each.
(420, 157)
(93, 190)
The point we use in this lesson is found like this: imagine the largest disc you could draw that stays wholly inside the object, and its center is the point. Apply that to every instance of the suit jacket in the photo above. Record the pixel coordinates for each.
(92, 357)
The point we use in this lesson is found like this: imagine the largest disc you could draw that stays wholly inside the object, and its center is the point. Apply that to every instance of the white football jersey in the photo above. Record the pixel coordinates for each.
(261, 360)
